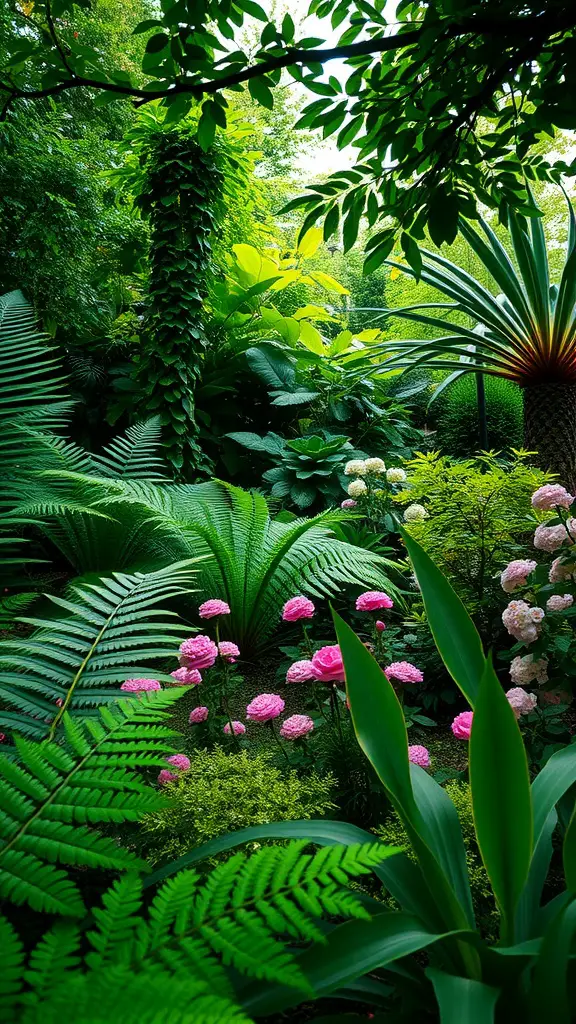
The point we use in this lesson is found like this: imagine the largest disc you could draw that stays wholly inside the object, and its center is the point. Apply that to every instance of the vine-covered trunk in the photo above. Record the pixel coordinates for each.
(550, 428)
(183, 189)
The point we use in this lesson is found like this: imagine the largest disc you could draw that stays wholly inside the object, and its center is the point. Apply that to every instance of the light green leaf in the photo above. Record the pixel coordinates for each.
(462, 1000)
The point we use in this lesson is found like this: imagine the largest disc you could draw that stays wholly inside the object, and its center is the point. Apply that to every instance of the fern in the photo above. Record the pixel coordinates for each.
(173, 963)
(54, 793)
(110, 631)
(133, 456)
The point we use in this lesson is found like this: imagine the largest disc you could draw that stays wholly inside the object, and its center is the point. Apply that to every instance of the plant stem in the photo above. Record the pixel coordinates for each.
(278, 741)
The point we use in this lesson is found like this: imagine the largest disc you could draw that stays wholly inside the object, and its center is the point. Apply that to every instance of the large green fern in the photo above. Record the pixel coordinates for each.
(110, 631)
(54, 793)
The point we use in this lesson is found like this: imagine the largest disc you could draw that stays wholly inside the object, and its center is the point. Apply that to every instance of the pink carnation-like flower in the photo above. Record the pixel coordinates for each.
(228, 650)
(404, 672)
(140, 685)
(380, 626)
(522, 703)
(198, 715)
(187, 676)
(522, 621)
(550, 538)
(419, 755)
(558, 602)
(296, 726)
(298, 608)
(348, 503)
(166, 776)
(265, 707)
(560, 570)
(516, 573)
(210, 609)
(328, 665)
(179, 761)
(371, 600)
(462, 725)
(198, 652)
(2, 737)
(555, 697)
(550, 496)
(525, 670)
(238, 728)
(300, 672)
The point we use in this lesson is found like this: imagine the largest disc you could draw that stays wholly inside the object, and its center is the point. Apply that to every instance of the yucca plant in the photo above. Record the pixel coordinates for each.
(523, 330)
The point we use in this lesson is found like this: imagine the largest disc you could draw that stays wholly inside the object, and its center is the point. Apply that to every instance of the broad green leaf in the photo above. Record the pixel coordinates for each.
(463, 1000)
(311, 338)
(308, 245)
(501, 802)
(549, 998)
(261, 92)
(555, 778)
(327, 282)
(569, 854)
(456, 637)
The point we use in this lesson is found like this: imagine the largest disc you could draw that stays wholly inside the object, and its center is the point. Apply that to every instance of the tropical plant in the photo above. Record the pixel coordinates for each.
(524, 331)
(107, 632)
(454, 417)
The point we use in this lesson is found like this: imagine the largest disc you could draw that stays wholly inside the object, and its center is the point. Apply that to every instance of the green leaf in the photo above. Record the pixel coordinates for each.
(462, 1000)
(145, 26)
(555, 778)
(501, 801)
(158, 42)
(261, 92)
(569, 854)
(549, 999)
(206, 129)
(252, 8)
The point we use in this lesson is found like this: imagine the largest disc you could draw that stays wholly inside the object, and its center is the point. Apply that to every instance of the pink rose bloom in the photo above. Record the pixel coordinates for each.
(298, 608)
(515, 574)
(328, 665)
(525, 670)
(550, 538)
(228, 650)
(522, 621)
(210, 609)
(550, 496)
(166, 776)
(462, 725)
(300, 672)
(522, 703)
(419, 755)
(238, 728)
(265, 707)
(296, 726)
(348, 503)
(558, 602)
(380, 626)
(198, 715)
(560, 571)
(187, 676)
(179, 761)
(140, 685)
(198, 652)
(371, 600)
(404, 671)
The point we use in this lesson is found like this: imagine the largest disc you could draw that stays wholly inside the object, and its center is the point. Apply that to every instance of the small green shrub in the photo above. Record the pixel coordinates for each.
(456, 415)
(224, 792)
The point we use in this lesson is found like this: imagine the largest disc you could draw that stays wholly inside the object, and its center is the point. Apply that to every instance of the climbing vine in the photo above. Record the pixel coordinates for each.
(181, 195)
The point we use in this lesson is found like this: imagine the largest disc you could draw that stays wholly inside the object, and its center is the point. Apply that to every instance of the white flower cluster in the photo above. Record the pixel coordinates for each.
(415, 514)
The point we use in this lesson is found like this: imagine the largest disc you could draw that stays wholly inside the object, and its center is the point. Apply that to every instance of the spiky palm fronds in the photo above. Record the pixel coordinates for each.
(55, 792)
(106, 632)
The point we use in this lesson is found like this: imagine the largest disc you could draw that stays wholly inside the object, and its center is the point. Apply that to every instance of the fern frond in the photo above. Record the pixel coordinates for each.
(12, 970)
(110, 631)
(55, 791)
(135, 455)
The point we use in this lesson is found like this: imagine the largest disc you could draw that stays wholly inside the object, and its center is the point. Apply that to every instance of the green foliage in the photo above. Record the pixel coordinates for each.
(456, 416)
(222, 792)
(55, 792)
(106, 633)
(479, 511)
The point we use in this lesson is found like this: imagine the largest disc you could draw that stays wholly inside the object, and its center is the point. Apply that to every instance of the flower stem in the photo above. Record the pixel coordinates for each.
(278, 741)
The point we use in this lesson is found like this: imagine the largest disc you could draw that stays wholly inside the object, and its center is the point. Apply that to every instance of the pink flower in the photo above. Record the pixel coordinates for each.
(179, 761)
(265, 707)
(348, 503)
(462, 725)
(524, 670)
(380, 626)
(198, 652)
(140, 685)
(166, 776)
(300, 672)
(59, 703)
(298, 608)
(516, 573)
(560, 571)
(371, 600)
(328, 665)
(550, 538)
(419, 755)
(296, 726)
(2, 737)
(555, 697)
(558, 602)
(228, 650)
(238, 728)
(213, 607)
(522, 621)
(550, 496)
(198, 715)
(522, 703)
(187, 676)
(404, 671)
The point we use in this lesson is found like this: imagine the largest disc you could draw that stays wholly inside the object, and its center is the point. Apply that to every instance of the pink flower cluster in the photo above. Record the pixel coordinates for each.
(516, 573)
(526, 670)
(300, 672)
(328, 665)
(228, 650)
(521, 621)
(187, 676)
(296, 726)
(348, 503)
(198, 652)
(238, 728)
(551, 496)
(210, 609)
(462, 725)
(419, 755)
(560, 570)
(178, 761)
(140, 685)
(298, 608)
(198, 715)
(265, 707)
(550, 538)
(559, 602)
(521, 702)
(404, 672)
(372, 600)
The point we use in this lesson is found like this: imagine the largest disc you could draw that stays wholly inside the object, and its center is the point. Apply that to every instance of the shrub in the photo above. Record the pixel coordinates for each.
(224, 792)
(457, 430)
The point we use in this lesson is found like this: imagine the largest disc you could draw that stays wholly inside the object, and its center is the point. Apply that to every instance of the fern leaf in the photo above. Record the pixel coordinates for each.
(11, 973)
(117, 922)
(134, 456)
(56, 953)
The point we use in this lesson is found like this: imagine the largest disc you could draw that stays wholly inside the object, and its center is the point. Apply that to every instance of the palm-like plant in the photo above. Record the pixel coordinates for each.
(524, 330)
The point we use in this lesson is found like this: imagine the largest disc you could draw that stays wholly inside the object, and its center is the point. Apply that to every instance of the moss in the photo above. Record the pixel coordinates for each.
(456, 414)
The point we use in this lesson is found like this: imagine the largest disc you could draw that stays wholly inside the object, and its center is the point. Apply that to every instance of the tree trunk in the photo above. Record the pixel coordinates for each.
(550, 428)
